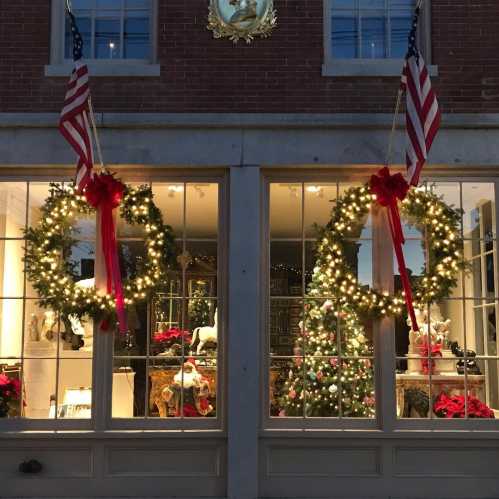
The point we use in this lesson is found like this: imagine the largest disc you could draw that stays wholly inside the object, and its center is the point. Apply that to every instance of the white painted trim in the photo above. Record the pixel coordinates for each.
(243, 352)
(248, 120)
(367, 67)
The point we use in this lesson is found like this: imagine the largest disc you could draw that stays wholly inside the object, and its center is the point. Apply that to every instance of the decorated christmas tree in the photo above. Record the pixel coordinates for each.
(332, 374)
(199, 306)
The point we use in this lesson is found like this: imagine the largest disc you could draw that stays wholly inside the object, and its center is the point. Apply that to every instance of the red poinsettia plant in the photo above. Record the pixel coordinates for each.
(173, 336)
(453, 406)
(10, 390)
(427, 351)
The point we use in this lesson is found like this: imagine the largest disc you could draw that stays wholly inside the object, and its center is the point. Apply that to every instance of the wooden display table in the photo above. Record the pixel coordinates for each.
(161, 377)
(450, 383)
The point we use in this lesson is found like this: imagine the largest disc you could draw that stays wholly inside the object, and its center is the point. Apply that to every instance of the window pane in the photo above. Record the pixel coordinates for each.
(40, 331)
(344, 30)
(201, 210)
(107, 38)
(400, 26)
(124, 387)
(479, 210)
(320, 354)
(136, 38)
(39, 388)
(11, 269)
(75, 389)
(169, 199)
(319, 201)
(373, 36)
(12, 209)
(11, 328)
(285, 210)
(181, 321)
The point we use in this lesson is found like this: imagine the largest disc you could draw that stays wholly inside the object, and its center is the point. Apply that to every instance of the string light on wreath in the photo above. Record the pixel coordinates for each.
(48, 247)
(425, 210)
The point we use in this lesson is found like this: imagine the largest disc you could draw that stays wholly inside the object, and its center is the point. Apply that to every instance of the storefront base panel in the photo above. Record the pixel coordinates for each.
(77, 468)
(379, 469)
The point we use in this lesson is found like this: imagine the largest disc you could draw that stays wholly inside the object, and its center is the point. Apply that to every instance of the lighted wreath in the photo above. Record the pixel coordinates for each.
(48, 246)
(423, 209)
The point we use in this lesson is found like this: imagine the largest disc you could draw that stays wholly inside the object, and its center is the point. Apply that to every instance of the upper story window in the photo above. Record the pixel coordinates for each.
(119, 37)
(112, 29)
(370, 29)
(369, 37)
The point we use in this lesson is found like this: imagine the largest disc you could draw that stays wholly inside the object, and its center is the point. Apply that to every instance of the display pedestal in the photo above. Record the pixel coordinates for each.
(123, 383)
(39, 378)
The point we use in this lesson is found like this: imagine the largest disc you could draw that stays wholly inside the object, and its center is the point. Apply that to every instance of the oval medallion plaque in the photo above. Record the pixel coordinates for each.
(236, 19)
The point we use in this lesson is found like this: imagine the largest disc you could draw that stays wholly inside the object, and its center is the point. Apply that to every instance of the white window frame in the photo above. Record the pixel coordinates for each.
(101, 419)
(386, 420)
(374, 67)
(59, 66)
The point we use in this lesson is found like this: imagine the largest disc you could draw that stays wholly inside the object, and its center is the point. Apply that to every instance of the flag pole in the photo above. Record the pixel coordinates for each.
(394, 126)
(91, 110)
(419, 4)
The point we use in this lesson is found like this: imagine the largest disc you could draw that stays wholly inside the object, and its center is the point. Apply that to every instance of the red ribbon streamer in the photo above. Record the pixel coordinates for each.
(105, 193)
(389, 189)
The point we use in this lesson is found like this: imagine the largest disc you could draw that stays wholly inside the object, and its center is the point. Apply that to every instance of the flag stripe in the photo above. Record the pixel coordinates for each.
(422, 110)
(73, 123)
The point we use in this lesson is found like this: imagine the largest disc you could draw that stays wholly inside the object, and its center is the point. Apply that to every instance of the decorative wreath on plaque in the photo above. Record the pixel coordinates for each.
(48, 247)
(422, 209)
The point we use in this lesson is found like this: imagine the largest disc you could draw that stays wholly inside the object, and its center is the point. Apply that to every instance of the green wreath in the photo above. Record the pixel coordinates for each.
(48, 246)
(424, 210)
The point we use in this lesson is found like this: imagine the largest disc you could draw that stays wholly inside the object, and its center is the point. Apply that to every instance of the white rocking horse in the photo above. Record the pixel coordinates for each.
(205, 334)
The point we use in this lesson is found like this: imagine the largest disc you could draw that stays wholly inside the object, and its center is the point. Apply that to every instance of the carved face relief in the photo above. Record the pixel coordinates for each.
(236, 19)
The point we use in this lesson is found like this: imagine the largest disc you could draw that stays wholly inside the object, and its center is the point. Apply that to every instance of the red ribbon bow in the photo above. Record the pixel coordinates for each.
(105, 193)
(389, 189)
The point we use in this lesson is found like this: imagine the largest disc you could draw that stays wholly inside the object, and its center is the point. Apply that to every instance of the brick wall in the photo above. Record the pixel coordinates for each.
(279, 74)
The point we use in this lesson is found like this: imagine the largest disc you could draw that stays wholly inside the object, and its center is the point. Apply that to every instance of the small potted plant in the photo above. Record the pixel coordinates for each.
(10, 390)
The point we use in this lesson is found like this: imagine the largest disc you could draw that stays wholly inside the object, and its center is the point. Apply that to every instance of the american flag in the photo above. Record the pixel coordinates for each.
(73, 123)
(422, 113)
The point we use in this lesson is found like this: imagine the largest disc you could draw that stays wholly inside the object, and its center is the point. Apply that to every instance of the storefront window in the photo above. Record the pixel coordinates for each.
(321, 347)
(167, 366)
(321, 353)
(455, 353)
(46, 368)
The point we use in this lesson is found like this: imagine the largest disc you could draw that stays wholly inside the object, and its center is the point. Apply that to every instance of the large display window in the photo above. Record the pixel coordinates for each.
(58, 371)
(328, 363)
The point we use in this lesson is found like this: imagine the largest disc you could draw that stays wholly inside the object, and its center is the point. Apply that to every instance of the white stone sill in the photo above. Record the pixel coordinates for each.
(367, 67)
(107, 68)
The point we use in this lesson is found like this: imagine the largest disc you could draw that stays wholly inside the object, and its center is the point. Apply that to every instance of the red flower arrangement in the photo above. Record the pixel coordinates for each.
(172, 335)
(454, 407)
(10, 389)
(428, 364)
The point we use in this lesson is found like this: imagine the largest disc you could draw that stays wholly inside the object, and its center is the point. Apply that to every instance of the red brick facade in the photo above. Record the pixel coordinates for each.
(279, 74)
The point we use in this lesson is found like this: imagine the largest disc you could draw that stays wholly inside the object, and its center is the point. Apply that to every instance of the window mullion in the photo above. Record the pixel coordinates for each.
(384, 340)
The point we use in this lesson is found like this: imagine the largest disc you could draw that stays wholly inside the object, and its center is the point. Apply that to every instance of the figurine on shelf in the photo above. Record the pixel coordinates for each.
(49, 324)
(205, 335)
(33, 330)
(196, 392)
(471, 365)
(434, 331)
